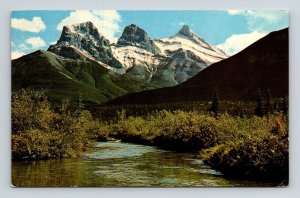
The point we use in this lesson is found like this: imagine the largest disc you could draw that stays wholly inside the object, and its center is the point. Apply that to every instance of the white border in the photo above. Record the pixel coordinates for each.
(6, 6)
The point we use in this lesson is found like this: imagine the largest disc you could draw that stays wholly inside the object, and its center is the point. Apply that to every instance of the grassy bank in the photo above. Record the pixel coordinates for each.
(258, 153)
(252, 147)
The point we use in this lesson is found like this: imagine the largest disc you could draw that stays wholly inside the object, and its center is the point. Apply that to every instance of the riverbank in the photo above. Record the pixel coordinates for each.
(250, 147)
(244, 147)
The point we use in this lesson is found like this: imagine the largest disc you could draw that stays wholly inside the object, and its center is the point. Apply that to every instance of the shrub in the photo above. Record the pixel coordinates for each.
(39, 132)
(30, 109)
(260, 152)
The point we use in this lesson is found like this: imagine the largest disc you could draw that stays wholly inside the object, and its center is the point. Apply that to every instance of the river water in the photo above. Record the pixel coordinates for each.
(116, 164)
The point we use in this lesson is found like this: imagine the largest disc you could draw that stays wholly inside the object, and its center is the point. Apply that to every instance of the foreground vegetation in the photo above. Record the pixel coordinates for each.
(38, 132)
(250, 145)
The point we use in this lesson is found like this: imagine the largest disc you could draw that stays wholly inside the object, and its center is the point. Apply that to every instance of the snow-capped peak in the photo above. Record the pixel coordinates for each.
(186, 31)
(86, 38)
(188, 42)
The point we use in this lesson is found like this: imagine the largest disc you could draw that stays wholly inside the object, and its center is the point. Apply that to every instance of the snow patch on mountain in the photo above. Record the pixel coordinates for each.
(133, 55)
(187, 40)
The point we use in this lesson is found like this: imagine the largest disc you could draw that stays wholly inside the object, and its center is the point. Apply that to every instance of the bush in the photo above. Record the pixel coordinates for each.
(30, 109)
(260, 152)
(38, 132)
(179, 129)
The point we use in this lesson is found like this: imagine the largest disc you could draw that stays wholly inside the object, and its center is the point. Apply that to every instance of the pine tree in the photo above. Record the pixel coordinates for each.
(285, 105)
(260, 104)
(80, 102)
(268, 101)
(215, 103)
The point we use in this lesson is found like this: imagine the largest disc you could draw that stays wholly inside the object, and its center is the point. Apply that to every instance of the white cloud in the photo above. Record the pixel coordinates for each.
(16, 54)
(235, 12)
(30, 44)
(35, 25)
(35, 42)
(263, 21)
(259, 23)
(270, 16)
(238, 42)
(106, 21)
(23, 47)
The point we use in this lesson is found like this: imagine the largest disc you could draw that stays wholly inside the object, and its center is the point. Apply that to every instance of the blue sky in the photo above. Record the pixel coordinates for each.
(229, 30)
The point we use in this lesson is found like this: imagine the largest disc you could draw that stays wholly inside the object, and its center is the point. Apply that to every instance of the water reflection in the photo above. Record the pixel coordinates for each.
(121, 164)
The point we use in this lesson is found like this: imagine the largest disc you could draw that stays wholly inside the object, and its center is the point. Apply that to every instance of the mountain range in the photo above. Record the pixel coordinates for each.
(83, 63)
(264, 66)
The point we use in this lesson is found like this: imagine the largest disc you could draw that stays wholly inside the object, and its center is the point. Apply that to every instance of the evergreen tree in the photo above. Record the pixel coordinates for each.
(80, 102)
(215, 103)
(268, 101)
(285, 105)
(260, 104)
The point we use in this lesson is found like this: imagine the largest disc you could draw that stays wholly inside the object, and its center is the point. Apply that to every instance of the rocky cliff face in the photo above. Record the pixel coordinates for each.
(81, 41)
(135, 36)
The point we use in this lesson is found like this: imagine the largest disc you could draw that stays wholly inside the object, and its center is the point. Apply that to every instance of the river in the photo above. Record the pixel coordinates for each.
(117, 164)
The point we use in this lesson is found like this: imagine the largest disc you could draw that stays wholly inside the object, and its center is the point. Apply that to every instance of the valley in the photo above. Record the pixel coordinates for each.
(179, 102)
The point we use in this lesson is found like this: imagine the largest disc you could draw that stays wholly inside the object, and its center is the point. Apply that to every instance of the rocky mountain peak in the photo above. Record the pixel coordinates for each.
(186, 31)
(135, 36)
(86, 42)
(86, 28)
